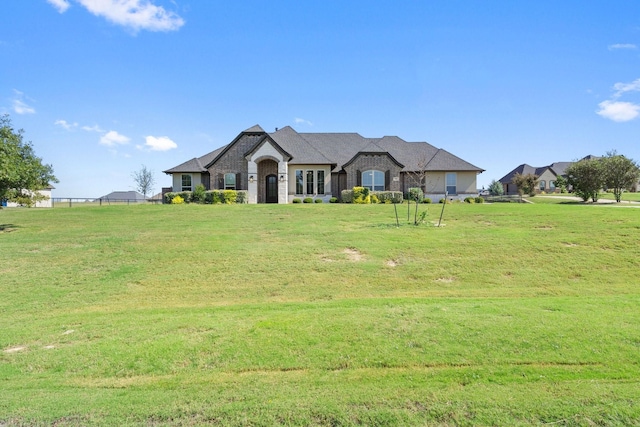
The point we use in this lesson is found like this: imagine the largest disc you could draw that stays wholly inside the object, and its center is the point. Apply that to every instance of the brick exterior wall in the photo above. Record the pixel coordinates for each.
(380, 162)
(233, 161)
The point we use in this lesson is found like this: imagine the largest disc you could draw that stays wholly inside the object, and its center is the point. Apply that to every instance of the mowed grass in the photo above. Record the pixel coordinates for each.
(510, 314)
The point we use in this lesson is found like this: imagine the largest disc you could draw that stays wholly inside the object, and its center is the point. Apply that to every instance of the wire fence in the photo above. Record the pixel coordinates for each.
(68, 202)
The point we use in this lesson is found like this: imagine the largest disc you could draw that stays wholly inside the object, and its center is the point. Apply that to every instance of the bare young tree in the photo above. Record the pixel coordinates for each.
(144, 180)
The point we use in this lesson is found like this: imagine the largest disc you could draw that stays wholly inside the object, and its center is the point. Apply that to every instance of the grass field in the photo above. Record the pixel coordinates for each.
(510, 314)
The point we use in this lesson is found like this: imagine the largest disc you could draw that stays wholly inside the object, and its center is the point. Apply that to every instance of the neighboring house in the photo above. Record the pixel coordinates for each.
(124, 196)
(46, 203)
(547, 176)
(280, 166)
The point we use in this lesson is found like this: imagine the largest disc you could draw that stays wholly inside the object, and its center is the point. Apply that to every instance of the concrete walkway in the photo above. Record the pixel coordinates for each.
(623, 203)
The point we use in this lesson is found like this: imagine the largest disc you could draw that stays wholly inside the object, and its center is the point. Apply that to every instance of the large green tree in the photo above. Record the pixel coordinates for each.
(586, 178)
(22, 173)
(620, 173)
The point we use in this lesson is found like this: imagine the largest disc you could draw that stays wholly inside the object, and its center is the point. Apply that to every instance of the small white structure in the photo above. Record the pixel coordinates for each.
(45, 203)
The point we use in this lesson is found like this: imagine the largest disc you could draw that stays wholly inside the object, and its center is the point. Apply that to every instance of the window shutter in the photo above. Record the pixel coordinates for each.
(387, 180)
(238, 182)
(358, 179)
(220, 180)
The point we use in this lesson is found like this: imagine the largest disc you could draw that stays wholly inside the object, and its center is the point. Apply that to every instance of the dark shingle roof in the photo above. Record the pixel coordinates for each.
(123, 195)
(195, 164)
(338, 149)
(301, 151)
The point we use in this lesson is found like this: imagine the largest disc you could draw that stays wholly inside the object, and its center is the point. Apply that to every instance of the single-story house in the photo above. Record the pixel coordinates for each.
(124, 196)
(547, 176)
(279, 166)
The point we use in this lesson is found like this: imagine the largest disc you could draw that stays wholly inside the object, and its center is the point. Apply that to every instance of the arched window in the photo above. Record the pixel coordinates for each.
(552, 185)
(229, 181)
(543, 184)
(373, 180)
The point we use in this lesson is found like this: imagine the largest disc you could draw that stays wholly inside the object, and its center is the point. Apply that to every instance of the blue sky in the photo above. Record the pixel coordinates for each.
(102, 87)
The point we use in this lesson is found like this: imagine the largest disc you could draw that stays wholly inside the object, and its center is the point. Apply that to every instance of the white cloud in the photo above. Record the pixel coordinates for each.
(161, 143)
(618, 46)
(134, 14)
(618, 111)
(298, 120)
(621, 88)
(113, 138)
(94, 128)
(66, 125)
(61, 5)
(19, 105)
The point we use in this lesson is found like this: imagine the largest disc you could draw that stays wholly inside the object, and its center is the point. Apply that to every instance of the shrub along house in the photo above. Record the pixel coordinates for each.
(280, 166)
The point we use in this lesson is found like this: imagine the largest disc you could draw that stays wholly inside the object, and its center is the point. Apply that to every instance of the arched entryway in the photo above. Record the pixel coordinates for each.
(271, 189)
(267, 181)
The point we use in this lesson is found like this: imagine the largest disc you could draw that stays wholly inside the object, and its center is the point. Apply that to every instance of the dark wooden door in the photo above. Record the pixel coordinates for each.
(272, 189)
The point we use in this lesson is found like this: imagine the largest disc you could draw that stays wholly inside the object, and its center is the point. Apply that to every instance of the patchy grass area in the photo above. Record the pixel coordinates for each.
(511, 314)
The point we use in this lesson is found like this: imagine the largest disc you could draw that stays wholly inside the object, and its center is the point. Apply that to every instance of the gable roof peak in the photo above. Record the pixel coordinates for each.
(254, 129)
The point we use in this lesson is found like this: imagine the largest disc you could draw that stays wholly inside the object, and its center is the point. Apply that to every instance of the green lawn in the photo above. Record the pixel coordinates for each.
(509, 314)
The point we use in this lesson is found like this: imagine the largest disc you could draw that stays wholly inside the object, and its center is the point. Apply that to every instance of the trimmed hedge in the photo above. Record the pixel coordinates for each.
(211, 197)
(355, 194)
(389, 196)
(346, 196)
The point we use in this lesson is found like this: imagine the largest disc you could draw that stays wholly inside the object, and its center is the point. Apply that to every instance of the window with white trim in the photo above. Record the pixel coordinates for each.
(229, 181)
(309, 182)
(452, 181)
(543, 185)
(299, 181)
(320, 182)
(186, 183)
(373, 180)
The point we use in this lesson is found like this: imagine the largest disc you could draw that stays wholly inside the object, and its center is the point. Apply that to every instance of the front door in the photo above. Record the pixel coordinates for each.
(272, 189)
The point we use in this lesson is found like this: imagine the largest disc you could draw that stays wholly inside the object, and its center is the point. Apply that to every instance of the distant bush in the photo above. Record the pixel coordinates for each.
(333, 200)
(318, 201)
(445, 201)
(177, 200)
(229, 196)
(388, 196)
(426, 200)
(346, 196)
(361, 195)
(199, 194)
(470, 200)
(296, 200)
(415, 194)
(374, 199)
(307, 200)
(242, 196)
(479, 199)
